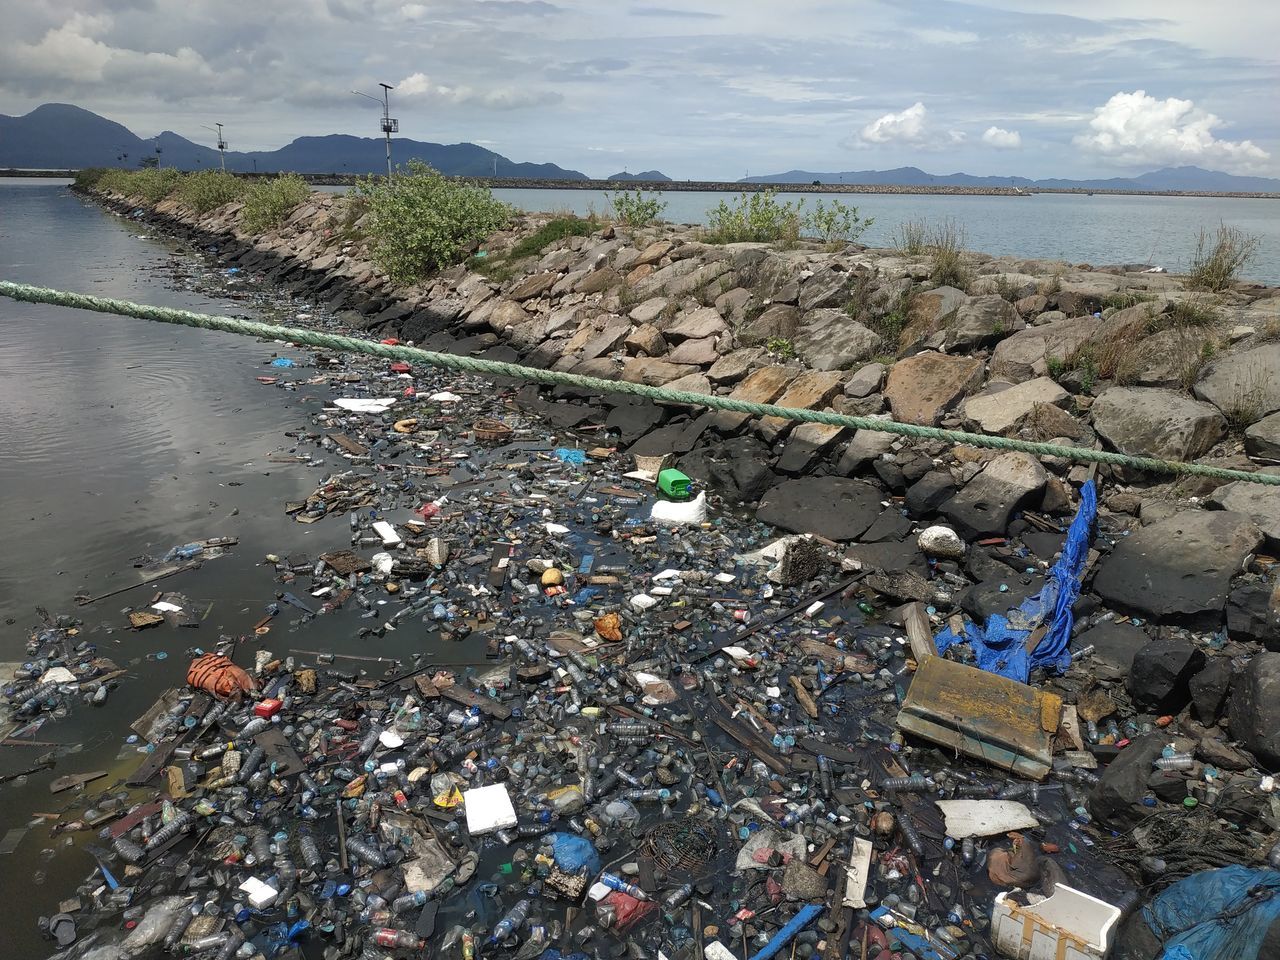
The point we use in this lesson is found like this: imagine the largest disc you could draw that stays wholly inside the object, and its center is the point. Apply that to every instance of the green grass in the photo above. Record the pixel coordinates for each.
(268, 203)
(1220, 257)
(1126, 299)
(549, 233)
(208, 190)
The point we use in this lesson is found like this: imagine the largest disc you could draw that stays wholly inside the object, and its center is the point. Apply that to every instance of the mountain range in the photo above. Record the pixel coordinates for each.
(1169, 178)
(61, 136)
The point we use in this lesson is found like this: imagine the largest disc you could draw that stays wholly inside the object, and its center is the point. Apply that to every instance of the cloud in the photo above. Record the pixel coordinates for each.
(418, 86)
(1002, 139)
(1137, 129)
(905, 127)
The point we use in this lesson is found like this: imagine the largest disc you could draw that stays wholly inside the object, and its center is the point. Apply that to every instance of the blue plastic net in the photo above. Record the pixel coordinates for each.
(1000, 645)
(1216, 915)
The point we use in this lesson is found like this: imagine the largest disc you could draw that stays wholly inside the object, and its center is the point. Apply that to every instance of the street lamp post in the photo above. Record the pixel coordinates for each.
(222, 145)
(390, 125)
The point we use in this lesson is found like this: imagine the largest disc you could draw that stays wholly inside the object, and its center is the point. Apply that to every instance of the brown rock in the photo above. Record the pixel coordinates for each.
(532, 286)
(924, 387)
(506, 314)
(808, 391)
(777, 320)
(653, 253)
(646, 339)
(599, 280)
(732, 367)
(1026, 354)
(607, 340)
(763, 385)
(700, 352)
(636, 274)
(1030, 306)
(654, 372)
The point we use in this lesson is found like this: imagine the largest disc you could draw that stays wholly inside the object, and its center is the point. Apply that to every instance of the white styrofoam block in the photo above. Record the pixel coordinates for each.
(488, 809)
(260, 894)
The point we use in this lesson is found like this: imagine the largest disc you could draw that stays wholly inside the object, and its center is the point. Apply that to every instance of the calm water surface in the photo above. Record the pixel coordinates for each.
(121, 437)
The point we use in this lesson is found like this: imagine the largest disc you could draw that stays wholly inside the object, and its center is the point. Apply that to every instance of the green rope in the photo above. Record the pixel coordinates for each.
(445, 361)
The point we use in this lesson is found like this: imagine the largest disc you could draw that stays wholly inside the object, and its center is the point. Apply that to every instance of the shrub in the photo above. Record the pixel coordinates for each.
(781, 346)
(1220, 257)
(208, 190)
(154, 184)
(836, 223)
(268, 202)
(114, 181)
(911, 236)
(637, 208)
(1126, 299)
(420, 221)
(90, 177)
(945, 245)
(758, 217)
(1192, 312)
(550, 232)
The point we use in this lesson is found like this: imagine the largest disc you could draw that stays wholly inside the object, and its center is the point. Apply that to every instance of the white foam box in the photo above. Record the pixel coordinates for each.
(488, 809)
(260, 894)
(1070, 925)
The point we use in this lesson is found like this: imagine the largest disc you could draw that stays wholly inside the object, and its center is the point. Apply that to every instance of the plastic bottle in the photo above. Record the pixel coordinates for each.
(659, 795)
(407, 902)
(1177, 761)
(1273, 858)
(615, 882)
(912, 784)
(910, 834)
(177, 825)
(396, 939)
(366, 853)
(792, 817)
(179, 926)
(127, 850)
(260, 846)
(676, 898)
(508, 925)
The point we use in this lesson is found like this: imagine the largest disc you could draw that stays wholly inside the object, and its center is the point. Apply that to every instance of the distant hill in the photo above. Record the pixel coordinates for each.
(1170, 178)
(59, 135)
(651, 175)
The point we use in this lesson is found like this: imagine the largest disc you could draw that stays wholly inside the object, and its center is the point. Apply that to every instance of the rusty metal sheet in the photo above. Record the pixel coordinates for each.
(983, 715)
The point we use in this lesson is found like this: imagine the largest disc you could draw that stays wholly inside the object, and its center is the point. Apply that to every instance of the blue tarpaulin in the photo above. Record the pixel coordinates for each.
(1216, 915)
(1000, 645)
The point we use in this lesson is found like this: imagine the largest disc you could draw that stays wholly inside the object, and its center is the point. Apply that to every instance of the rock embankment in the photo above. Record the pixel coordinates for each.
(1110, 356)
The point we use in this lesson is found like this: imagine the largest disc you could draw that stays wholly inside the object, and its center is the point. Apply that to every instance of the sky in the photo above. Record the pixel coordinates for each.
(699, 89)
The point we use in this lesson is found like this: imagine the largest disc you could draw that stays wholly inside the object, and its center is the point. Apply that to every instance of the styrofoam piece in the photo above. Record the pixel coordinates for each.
(488, 809)
(387, 532)
(642, 601)
(365, 404)
(715, 950)
(260, 893)
(390, 739)
(1070, 925)
(985, 818)
(855, 884)
(685, 511)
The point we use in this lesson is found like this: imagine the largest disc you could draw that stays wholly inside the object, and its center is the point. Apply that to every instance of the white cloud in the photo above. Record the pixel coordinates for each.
(418, 86)
(905, 127)
(1137, 129)
(1002, 139)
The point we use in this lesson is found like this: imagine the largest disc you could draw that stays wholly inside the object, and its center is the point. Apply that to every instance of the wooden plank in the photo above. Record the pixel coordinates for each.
(72, 780)
(919, 633)
(803, 696)
(349, 445)
(467, 698)
(760, 748)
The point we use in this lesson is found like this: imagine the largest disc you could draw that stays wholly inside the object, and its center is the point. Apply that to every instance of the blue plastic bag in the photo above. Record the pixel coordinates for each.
(574, 854)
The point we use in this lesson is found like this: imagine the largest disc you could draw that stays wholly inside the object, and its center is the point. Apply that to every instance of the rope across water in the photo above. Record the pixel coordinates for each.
(462, 364)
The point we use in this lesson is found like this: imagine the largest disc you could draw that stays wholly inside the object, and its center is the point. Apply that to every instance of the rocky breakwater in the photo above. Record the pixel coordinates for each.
(1106, 357)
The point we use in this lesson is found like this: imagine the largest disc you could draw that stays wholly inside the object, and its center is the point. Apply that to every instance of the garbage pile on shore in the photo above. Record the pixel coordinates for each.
(880, 718)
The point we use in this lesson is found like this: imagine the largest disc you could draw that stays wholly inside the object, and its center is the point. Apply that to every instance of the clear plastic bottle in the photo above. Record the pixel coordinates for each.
(513, 921)
(366, 852)
(1177, 761)
(615, 882)
(911, 784)
(396, 939)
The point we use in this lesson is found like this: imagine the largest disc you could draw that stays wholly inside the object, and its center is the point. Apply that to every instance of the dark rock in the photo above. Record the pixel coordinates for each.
(1075, 303)
(1115, 647)
(1209, 689)
(891, 557)
(914, 466)
(1179, 567)
(1169, 786)
(1158, 681)
(984, 507)
(930, 492)
(981, 564)
(890, 474)
(634, 419)
(1221, 755)
(834, 507)
(983, 599)
(674, 438)
(737, 468)
(1253, 613)
(890, 525)
(1254, 711)
(1117, 799)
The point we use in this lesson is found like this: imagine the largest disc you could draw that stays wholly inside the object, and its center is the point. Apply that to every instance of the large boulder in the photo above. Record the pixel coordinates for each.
(737, 469)
(1244, 384)
(930, 311)
(1261, 504)
(830, 340)
(762, 385)
(987, 503)
(809, 391)
(1115, 647)
(654, 372)
(1161, 671)
(1209, 688)
(1152, 422)
(981, 322)
(1179, 567)
(1028, 353)
(1254, 712)
(778, 320)
(1253, 612)
(696, 325)
(834, 507)
(732, 367)
(922, 388)
(827, 286)
(1116, 801)
(807, 443)
(1262, 439)
(1001, 411)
